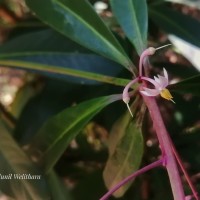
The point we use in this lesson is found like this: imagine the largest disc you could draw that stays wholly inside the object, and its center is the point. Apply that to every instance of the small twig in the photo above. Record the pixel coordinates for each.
(192, 187)
(129, 178)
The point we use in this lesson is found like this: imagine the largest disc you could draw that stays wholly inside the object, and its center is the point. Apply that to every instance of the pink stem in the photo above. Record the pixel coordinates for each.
(148, 52)
(125, 95)
(129, 178)
(192, 187)
(166, 147)
(143, 55)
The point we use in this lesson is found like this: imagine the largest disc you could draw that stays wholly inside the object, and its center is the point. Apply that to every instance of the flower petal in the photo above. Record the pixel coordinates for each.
(150, 92)
(163, 82)
(157, 85)
(165, 73)
(157, 79)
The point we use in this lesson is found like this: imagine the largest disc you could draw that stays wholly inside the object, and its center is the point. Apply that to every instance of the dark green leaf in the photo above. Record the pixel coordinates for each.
(52, 48)
(125, 153)
(177, 70)
(53, 138)
(84, 62)
(57, 70)
(39, 42)
(81, 24)
(176, 23)
(45, 102)
(14, 162)
(190, 85)
(132, 16)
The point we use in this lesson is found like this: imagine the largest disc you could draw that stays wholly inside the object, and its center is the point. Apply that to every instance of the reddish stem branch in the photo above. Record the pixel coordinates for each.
(192, 187)
(129, 178)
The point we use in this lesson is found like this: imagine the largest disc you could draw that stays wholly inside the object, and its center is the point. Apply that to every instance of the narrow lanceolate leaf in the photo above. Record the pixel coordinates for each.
(133, 18)
(15, 163)
(57, 187)
(53, 48)
(189, 85)
(173, 22)
(125, 153)
(81, 24)
(55, 135)
(60, 72)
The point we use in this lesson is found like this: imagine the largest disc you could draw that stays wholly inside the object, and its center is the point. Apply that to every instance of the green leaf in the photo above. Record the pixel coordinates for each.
(43, 69)
(48, 41)
(82, 62)
(15, 162)
(190, 85)
(176, 23)
(52, 48)
(177, 70)
(57, 187)
(56, 134)
(21, 98)
(133, 18)
(81, 24)
(125, 153)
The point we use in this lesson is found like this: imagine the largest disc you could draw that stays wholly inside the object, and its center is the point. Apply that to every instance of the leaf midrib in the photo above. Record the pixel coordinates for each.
(137, 25)
(125, 160)
(79, 119)
(95, 31)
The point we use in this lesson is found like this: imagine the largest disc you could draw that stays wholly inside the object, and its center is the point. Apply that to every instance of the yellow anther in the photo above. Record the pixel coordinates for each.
(166, 95)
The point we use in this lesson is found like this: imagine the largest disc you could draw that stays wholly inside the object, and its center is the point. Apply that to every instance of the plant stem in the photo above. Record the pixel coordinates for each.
(192, 187)
(129, 178)
(165, 143)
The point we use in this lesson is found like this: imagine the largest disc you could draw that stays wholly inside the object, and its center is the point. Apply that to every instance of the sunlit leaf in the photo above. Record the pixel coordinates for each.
(56, 134)
(81, 24)
(188, 50)
(133, 18)
(14, 163)
(193, 3)
(125, 153)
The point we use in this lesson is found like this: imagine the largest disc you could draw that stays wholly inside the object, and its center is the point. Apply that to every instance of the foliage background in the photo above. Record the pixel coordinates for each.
(45, 74)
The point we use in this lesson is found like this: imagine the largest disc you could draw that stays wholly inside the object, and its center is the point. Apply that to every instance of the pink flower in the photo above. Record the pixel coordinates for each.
(160, 83)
